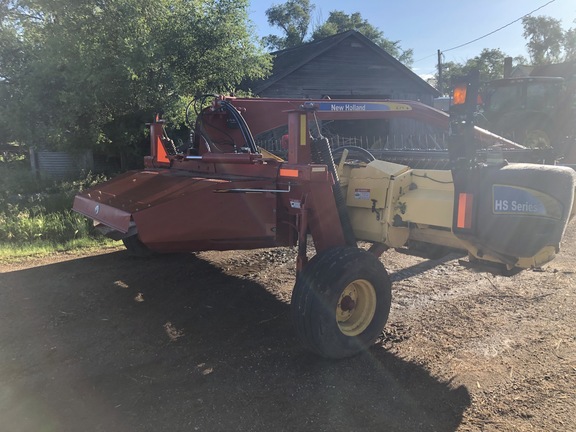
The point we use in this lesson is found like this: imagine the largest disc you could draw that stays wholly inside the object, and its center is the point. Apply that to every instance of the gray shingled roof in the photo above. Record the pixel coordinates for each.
(565, 70)
(289, 60)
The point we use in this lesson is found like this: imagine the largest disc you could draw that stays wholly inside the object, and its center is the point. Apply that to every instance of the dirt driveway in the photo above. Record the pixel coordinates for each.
(203, 343)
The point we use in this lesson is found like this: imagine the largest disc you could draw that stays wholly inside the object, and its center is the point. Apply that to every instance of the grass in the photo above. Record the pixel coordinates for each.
(16, 253)
(36, 217)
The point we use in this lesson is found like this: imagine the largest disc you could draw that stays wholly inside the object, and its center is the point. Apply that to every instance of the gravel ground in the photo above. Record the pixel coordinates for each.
(203, 342)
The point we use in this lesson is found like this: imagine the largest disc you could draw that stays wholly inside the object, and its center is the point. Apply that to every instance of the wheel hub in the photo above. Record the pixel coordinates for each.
(347, 304)
(356, 307)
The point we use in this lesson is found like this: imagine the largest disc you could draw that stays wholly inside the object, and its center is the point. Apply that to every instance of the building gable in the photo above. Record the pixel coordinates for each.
(347, 65)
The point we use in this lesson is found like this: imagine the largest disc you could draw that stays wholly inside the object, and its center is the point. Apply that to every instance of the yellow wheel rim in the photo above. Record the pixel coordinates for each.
(356, 307)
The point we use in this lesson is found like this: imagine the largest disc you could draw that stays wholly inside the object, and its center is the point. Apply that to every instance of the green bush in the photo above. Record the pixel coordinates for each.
(33, 208)
(25, 226)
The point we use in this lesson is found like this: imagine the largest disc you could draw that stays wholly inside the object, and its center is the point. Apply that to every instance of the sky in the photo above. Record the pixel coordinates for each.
(428, 26)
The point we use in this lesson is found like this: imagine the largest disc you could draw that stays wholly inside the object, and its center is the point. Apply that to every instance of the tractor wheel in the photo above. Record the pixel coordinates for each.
(341, 302)
(537, 138)
(136, 248)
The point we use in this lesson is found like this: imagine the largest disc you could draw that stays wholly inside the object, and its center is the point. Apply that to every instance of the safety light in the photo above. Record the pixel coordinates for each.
(285, 172)
(459, 96)
(465, 208)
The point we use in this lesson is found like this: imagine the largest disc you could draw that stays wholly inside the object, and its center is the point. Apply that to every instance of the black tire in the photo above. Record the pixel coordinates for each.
(136, 248)
(341, 302)
(537, 139)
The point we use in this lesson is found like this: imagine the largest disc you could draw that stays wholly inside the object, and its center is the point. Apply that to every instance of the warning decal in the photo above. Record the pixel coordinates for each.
(362, 194)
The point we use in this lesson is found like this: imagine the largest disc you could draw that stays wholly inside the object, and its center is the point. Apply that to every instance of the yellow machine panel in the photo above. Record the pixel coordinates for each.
(391, 203)
(371, 195)
(429, 199)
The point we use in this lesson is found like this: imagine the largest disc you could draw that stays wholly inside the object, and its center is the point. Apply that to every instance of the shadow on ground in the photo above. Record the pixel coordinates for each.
(112, 343)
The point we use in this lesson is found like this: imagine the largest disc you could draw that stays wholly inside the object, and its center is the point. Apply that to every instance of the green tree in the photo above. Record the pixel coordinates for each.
(339, 21)
(545, 39)
(89, 74)
(293, 18)
(490, 63)
(449, 70)
(570, 44)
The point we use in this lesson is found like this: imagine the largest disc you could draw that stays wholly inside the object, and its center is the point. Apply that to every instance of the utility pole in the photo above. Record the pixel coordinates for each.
(440, 83)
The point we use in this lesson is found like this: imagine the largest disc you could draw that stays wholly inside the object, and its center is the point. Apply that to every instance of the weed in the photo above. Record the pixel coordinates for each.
(36, 209)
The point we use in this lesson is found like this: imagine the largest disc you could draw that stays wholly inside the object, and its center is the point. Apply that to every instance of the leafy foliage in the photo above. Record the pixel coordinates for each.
(547, 43)
(490, 63)
(339, 22)
(90, 74)
(25, 226)
(570, 44)
(293, 18)
(545, 39)
(34, 209)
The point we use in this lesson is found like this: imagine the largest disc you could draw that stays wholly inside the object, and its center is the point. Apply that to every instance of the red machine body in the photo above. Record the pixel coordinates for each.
(224, 193)
(225, 197)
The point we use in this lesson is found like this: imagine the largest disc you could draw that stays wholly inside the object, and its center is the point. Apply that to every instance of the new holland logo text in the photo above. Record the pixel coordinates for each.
(362, 106)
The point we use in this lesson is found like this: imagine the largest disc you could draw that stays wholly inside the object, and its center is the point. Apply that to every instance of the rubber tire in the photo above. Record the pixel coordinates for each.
(136, 248)
(537, 139)
(316, 295)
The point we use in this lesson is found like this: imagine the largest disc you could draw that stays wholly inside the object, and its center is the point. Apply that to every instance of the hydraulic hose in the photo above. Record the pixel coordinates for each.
(321, 149)
(247, 135)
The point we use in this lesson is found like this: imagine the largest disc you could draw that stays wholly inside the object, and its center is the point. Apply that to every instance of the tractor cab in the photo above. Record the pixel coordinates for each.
(523, 109)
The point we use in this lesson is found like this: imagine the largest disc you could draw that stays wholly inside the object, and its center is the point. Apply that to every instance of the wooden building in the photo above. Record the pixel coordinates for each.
(344, 66)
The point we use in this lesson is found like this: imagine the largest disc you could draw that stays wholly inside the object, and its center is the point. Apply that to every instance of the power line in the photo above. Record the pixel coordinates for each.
(488, 34)
(424, 58)
(500, 28)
